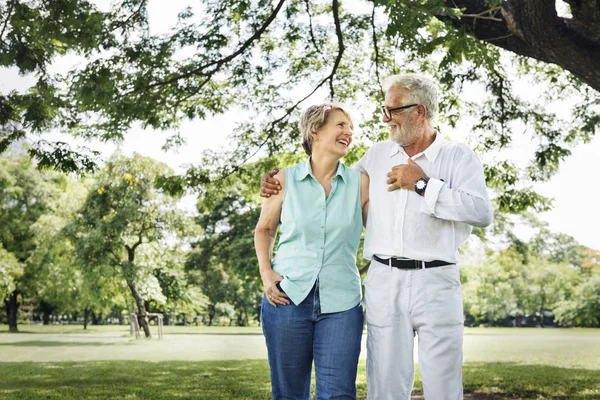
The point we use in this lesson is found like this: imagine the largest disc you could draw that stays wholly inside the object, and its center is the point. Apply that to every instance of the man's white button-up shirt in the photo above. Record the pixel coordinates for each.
(404, 224)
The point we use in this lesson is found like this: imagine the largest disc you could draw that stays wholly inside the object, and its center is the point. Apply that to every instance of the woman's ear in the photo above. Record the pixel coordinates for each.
(314, 136)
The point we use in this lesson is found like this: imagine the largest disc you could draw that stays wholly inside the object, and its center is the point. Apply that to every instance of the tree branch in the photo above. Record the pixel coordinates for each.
(288, 112)
(376, 48)
(533, 29)
(478, 16)
(219, 63)
(586, 17)
(124, 24)
(312, 35)
(10, 9)
(270, 131)
(338, 32)
(117, 261)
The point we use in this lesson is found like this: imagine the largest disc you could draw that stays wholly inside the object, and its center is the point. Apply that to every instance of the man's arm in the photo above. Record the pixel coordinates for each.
(467, 200)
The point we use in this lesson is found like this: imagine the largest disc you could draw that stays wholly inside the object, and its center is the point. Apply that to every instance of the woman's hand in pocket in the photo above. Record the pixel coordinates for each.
(274, 295)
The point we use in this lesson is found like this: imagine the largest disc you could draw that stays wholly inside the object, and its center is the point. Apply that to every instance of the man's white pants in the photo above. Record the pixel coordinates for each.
(400, 303)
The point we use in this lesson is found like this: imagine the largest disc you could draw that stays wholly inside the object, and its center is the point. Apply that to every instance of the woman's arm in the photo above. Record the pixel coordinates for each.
(364, 196)
(264, 238)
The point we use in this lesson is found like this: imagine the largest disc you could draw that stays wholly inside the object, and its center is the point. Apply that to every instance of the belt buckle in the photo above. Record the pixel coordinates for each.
(419, 264)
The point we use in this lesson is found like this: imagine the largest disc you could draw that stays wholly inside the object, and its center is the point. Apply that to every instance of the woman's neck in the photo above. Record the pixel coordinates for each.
(324, 166)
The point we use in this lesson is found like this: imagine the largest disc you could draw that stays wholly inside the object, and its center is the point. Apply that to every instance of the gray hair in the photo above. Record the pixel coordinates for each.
(314, 118)
(421, 90)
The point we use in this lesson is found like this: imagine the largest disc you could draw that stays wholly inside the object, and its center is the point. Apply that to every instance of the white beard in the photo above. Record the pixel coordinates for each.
(405, 135)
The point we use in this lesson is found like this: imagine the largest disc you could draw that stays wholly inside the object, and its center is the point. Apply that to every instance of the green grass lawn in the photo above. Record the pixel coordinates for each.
(65, 362)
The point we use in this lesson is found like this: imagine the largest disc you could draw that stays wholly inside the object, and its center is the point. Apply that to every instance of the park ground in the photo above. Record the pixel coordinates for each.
(105, 362)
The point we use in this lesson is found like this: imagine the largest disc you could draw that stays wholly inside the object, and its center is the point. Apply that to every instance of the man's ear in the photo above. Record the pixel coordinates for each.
(422, 110)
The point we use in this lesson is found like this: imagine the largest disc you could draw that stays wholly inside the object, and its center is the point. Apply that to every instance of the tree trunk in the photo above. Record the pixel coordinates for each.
(12, 309)
(242, 317)
(533, 29)
(86, 315)
(46, 309)
(211, 314)
(142, 315)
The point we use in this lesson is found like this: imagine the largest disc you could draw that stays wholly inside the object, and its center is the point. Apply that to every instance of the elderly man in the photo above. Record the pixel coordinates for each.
(426, 194)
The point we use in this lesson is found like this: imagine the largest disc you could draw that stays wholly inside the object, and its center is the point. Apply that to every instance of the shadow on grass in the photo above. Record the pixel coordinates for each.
(47, 343)
(516, 381)
(222, 380)
(125, 332)
(215, 333)
(61, 332)
(249, 379)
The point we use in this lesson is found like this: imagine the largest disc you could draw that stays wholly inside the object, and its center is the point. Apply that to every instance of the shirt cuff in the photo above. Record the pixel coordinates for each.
(432, 193)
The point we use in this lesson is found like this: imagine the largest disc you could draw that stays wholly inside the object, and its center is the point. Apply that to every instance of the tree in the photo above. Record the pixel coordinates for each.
(224, 260)
(541, 285)
(26, 195)
(528, 279)
(488, 292)
(591, 259)
(268, 58)
(53, 276)
(558, 247)
(583, 308)
(10, 271)
(126, 225)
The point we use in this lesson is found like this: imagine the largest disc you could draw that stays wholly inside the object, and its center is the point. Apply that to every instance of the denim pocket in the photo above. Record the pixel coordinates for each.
(377, 296)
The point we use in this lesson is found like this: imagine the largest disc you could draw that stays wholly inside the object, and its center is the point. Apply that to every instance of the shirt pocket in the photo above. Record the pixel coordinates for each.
(377, 297)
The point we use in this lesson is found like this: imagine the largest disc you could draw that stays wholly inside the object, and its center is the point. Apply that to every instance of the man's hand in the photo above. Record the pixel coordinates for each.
(268, 184)
(404, 176)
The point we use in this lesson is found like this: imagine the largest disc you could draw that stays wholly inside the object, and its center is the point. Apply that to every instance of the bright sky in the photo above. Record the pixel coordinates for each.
(575, 212)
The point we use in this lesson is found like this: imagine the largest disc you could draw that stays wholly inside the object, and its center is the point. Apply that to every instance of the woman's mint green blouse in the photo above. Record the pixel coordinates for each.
(319, 237)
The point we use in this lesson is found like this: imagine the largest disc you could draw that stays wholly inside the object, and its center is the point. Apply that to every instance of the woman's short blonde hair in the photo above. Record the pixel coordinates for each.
(314, 118)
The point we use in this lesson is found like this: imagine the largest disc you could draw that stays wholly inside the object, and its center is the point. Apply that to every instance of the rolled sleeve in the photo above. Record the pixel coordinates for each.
(432, 193)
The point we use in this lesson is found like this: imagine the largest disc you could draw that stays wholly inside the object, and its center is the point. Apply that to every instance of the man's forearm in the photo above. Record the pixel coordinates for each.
(458, 205)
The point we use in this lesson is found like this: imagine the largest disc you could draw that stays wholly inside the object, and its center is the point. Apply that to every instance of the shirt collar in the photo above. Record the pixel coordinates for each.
(395, 148)
(306, 170)
(434, 148)
(430, 153)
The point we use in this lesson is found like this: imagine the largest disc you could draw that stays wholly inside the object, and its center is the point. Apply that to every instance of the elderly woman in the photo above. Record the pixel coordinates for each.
(312, 305)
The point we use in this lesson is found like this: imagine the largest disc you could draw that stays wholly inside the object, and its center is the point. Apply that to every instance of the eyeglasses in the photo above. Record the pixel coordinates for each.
(387, 112)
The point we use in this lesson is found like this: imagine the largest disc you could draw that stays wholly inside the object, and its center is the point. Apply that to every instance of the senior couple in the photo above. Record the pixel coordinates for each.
(418, 196)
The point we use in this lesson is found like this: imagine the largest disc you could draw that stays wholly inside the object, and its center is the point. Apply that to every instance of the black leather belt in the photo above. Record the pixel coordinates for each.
(410, 264)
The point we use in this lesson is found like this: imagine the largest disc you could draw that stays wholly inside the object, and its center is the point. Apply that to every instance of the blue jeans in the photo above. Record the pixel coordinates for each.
(296, 335)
